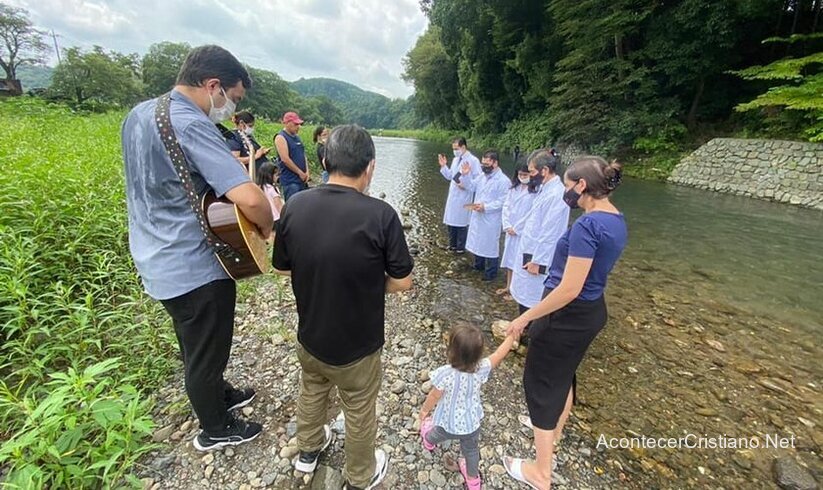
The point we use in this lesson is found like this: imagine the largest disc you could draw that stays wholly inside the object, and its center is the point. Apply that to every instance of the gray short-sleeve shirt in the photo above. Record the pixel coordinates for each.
(168, 247)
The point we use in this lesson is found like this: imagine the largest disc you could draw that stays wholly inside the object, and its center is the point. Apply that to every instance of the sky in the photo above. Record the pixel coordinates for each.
(358, 41)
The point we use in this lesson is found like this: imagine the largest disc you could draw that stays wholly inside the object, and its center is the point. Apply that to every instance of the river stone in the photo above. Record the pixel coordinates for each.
(289, 451)
(791, 476)
(161, 435)
(326, 477)
(398, 387)
(437, 478)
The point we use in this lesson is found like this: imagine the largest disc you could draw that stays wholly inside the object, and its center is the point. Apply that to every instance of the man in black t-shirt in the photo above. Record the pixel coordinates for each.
(344, 252)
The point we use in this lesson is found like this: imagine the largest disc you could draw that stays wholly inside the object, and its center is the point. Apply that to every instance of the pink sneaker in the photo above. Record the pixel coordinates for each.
(471, 483)
(425, 427)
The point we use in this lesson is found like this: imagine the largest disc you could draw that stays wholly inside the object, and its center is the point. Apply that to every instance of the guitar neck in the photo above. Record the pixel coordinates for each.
(252, 160)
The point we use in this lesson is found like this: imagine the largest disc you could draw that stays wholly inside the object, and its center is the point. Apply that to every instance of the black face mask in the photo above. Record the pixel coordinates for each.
(487, 169)
(535, 181)
(571, 197)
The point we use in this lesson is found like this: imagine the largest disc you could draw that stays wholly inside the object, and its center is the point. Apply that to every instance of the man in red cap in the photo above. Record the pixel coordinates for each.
(294, 172)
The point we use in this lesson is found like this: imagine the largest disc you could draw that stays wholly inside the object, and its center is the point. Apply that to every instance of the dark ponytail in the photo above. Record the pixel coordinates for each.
(601, 177)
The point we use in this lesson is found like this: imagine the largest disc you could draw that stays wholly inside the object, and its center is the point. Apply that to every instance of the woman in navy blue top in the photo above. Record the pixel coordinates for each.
(572, 311)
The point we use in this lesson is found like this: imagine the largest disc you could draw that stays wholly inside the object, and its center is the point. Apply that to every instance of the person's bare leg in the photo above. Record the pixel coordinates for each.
(539, 472)
(508, 283)
(558, 431)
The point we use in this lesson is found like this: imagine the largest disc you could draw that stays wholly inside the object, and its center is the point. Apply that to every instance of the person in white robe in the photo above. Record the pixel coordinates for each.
(457, 214)
(486, 222)
(545, 224)
(518, 203)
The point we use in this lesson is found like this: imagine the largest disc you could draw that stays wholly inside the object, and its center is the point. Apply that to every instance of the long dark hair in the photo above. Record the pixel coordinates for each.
(520, 166)
(266, 174)
(317, 132)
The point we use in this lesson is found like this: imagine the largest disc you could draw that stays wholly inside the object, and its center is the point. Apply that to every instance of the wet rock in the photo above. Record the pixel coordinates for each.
(714, 344)
(326, 477)
(789, 475)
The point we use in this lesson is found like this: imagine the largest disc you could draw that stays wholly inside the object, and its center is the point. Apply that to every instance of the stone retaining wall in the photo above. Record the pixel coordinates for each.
(783, 171)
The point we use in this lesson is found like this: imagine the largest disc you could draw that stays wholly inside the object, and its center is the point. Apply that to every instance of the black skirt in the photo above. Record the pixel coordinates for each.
(557, 344)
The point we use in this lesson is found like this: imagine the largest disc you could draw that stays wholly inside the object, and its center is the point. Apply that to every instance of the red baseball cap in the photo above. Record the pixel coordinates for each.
(292, 117)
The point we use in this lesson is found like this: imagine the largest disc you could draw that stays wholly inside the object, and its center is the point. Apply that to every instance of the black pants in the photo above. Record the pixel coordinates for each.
(204, 324)
(457, 237)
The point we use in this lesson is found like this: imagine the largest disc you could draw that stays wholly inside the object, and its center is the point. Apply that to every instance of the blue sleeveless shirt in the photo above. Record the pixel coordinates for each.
(297, 153)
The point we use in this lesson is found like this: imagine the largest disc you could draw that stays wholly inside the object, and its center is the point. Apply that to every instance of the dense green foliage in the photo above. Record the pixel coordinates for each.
(625, 77)
(368, 109)
(800, 89)
(97, 79)
(70, 299)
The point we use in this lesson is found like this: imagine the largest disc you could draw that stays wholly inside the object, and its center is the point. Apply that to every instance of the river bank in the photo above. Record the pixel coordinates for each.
(671, 363)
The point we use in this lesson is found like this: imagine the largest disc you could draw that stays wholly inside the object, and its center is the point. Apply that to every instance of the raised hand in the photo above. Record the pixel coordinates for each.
(465, 168)
(441, 159)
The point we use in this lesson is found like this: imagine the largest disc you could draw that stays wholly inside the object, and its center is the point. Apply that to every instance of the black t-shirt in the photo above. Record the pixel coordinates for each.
(235, 143)
(339, 245)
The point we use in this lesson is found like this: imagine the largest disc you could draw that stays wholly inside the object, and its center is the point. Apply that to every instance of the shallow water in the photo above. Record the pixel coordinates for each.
(715, 319)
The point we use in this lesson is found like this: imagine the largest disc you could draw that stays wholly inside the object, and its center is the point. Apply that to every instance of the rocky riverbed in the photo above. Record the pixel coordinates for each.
(263, 357)
(675, 360)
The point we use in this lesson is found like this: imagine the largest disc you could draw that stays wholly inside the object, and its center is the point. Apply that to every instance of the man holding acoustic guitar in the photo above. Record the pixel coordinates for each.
(173, 155)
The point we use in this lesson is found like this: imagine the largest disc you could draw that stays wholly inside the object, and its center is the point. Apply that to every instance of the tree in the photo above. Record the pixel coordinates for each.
(160, 66)
(434, 75)
(799, 86)
(97, 77)
(20, 42)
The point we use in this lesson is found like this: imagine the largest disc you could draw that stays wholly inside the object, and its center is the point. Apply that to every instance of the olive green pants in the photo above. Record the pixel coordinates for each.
(357, 385)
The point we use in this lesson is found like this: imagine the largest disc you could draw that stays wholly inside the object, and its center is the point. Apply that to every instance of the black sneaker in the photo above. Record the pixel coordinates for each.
(306, 462)
(380, 469)
(239, 398)
(237, 432)
(460, 252)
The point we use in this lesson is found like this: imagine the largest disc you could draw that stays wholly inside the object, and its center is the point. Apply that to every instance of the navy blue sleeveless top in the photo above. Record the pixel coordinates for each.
(297, 153)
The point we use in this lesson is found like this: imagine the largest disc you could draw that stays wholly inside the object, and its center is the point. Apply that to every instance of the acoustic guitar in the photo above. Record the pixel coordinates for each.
(250, 254)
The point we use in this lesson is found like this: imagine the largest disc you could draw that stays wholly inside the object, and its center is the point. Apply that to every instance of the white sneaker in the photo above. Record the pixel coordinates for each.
(381, 467)
(307, 462)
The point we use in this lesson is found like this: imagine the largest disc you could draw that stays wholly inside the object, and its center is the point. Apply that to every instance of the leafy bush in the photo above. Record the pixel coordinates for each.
(70, 298)
(83, 433)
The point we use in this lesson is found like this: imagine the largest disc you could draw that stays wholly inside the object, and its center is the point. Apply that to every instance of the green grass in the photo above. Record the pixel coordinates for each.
(427, 134)
(81, 346)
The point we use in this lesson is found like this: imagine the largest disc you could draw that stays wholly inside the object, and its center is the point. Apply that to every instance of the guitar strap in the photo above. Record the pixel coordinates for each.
(162, 116)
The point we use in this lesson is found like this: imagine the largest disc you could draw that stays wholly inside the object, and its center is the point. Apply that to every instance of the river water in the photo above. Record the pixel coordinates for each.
(715, 321)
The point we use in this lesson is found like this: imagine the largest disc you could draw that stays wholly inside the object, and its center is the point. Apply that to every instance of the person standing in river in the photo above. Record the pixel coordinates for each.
(572, 311)
(344, 251)
(485, 225)
(546, 223)
(457, 215)
(516, 208)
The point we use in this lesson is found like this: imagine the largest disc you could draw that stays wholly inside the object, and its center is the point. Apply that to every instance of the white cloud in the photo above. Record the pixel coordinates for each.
(360, 42)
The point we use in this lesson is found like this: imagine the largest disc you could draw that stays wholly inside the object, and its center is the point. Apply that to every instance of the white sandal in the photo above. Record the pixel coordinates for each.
(515, 470)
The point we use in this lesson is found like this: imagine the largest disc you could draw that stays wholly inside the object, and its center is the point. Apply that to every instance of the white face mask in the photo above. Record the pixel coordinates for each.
(249, 131)
(457, 153)
(220, 114)
(524, 180)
